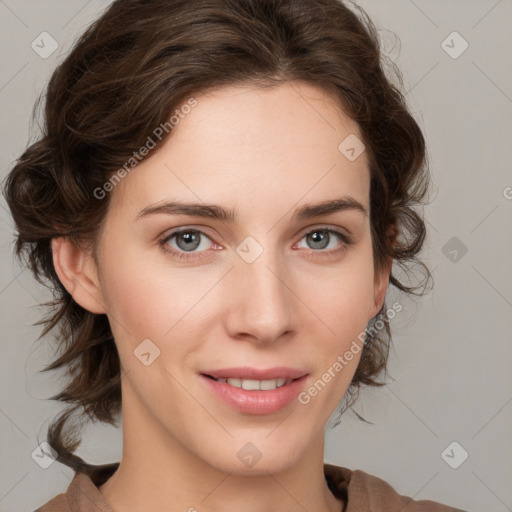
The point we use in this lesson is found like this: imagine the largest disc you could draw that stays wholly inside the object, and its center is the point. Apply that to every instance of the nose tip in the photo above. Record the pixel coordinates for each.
(260, 300)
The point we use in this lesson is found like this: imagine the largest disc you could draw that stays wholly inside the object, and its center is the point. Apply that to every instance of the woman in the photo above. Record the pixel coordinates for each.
(265, 136)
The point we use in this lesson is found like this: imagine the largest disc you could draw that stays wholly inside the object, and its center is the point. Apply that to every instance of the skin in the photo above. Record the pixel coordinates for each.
(263, 152)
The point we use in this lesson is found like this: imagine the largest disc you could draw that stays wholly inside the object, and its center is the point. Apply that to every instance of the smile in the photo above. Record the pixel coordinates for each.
(254, 385)
(253, 396)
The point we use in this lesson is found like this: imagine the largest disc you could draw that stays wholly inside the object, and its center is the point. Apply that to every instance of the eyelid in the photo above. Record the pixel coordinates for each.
(344, 234)
(327, 227)
(204, 230)
(167, 234)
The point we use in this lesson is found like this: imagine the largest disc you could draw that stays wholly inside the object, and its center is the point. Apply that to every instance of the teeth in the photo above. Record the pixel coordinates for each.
(251, 385)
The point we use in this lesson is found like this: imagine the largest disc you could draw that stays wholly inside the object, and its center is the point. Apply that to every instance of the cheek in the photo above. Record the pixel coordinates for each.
(149, 299)
(343, 312)
(131, 299)
(134, 295)
(341, 303)
(342, 298)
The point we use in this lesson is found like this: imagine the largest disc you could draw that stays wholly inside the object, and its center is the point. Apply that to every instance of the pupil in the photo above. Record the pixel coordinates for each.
(189, 237)
(319, 239)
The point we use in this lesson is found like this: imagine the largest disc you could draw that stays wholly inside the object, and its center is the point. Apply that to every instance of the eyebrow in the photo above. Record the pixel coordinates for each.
(213, 211)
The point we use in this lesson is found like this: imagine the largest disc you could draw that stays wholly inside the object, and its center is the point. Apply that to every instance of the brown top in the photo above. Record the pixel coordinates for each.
(360, 492)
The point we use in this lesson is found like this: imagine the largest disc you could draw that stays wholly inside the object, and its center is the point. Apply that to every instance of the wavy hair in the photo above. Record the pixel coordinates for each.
(125, 74)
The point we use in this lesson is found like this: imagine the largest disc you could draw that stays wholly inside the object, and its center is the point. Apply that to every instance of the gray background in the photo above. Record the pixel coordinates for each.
(452, 348)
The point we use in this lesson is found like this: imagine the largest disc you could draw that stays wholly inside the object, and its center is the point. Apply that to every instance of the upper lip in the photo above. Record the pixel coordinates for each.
(246, 372)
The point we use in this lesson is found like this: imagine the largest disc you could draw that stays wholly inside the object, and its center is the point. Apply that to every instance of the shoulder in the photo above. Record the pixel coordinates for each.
(59, 503)
(364, 491)
(82, 494)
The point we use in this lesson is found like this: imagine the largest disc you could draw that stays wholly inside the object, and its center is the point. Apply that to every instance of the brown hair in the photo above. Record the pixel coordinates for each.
(125, 75)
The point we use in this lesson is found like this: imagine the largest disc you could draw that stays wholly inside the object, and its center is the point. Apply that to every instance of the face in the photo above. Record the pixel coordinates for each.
(189, 295)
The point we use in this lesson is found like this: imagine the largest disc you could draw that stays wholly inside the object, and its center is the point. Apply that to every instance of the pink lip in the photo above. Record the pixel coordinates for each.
(246, 372)
(256, 401)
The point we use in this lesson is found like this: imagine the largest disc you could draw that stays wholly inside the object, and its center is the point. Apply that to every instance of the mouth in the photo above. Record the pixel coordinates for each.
(255, 396)
(253, 384)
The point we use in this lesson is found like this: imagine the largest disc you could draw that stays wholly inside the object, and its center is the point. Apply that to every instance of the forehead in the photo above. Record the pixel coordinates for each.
(242, 145)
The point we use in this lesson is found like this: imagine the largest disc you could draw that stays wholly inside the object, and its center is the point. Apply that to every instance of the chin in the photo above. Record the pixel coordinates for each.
(257, 457)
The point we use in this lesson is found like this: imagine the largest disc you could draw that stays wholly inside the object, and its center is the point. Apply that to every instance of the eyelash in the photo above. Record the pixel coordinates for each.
(162, 242)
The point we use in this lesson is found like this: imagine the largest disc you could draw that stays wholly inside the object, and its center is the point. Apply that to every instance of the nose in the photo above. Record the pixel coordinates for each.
(261, 306)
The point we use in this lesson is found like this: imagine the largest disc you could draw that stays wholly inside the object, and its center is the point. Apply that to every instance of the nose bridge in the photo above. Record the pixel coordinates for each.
(261, 305)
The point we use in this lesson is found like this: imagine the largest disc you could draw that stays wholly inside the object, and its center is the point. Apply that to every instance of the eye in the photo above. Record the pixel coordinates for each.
(322, 238)
(183, 243)
(186, 242)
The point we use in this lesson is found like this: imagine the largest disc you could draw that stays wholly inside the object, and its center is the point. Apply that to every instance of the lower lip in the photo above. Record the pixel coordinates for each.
(256, 401)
